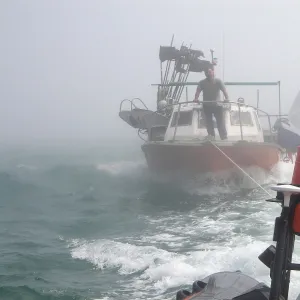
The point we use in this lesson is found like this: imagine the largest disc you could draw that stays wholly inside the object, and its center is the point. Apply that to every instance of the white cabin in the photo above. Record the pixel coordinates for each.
(191, 124)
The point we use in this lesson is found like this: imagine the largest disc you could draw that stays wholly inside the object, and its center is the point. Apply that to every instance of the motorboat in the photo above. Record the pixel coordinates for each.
(175, 133)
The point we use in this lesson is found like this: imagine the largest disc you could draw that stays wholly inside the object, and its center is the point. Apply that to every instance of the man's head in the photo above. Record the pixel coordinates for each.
(209, 73)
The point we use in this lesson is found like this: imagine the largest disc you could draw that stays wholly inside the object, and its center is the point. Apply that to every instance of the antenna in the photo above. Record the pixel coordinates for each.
(223, 55)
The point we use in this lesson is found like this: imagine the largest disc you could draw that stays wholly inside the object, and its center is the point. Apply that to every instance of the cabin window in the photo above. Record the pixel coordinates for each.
(246, 118)
(201, 120)
(185, 118)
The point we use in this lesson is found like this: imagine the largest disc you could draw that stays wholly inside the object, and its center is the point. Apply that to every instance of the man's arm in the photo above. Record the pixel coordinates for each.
(198, 91)
(223, 89)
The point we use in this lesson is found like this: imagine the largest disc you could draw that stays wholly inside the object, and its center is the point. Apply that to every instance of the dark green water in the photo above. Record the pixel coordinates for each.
(92, 223)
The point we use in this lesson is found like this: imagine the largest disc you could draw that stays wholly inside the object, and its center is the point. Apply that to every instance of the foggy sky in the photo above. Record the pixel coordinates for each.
(65, 65)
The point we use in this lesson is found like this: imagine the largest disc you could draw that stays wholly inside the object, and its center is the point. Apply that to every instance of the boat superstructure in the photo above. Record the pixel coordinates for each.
(187, 122)
(175, 133)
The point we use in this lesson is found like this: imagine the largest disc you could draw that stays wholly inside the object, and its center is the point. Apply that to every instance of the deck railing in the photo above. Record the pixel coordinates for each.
(132, 105)
(223, 103)
(273, 83)
(260, 112)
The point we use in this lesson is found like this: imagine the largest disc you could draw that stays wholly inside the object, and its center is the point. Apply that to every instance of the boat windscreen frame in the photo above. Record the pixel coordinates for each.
(233, 83)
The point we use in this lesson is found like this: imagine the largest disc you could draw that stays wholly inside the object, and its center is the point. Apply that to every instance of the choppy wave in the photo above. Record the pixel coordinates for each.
(156, 271)
(129, 233)
(228, 182)
(86, 176)
(217, 235)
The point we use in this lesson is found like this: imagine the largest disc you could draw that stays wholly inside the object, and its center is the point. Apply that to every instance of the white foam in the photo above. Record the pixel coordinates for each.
(162, 270)
(121, 167)
(126, 257)
(182, 247)
(228, 182)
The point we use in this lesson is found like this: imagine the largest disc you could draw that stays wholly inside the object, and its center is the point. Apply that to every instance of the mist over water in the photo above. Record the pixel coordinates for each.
(67, 65)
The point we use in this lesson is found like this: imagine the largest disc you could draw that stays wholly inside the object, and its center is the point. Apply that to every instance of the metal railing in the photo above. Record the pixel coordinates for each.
(132, 105)
(239, 105)
(274, 83)
(262, 114)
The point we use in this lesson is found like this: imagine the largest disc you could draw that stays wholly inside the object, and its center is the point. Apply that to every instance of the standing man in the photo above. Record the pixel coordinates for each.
(211, 88)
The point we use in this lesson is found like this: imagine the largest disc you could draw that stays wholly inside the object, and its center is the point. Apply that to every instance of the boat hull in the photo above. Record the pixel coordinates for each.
(206, 157)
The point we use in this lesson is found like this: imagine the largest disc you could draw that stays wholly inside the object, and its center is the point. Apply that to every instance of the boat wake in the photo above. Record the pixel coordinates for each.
(149, 272)
(224, 182)
(230, 181)
(210, 226)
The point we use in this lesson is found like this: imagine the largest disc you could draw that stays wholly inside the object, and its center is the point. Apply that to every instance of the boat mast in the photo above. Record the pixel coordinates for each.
(165, 81)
